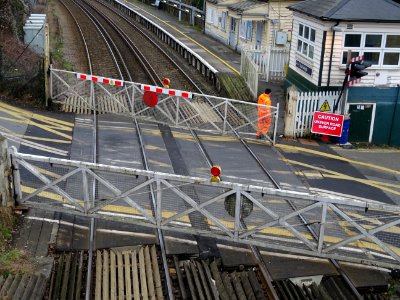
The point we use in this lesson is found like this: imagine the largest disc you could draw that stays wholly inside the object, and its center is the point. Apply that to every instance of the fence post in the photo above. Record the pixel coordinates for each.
(46, 63)
(290, 112)
(6, 198)
(225, 117)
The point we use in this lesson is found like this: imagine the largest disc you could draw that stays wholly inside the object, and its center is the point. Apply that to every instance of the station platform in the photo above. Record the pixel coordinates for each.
(215, 53)
(219, 56)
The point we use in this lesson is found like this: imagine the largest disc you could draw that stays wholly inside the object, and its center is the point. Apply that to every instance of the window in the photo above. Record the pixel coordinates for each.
(379, 49)
(249, 34)
(215, 20)
(373, 40)
(242, 29)
(392, 41)
(223, 21)
(352, 40)
(306, 39)
(211, 16)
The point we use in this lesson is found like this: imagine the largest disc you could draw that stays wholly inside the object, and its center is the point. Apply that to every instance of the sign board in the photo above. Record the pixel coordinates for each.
(327, 124)
(325, 104)
(304, 67)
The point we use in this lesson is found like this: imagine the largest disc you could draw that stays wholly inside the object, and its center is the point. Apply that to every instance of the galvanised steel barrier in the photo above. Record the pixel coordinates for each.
(361, 231)
(174, 107)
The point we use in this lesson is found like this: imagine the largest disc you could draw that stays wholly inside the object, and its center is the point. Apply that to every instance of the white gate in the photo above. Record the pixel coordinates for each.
(306, 103)
(263, 64)
(84, 93)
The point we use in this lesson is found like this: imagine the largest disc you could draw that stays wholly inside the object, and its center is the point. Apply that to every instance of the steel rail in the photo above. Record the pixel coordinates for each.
(265, 170)
(104, 34)
(94, 160)
(156, 79)
(152, 74)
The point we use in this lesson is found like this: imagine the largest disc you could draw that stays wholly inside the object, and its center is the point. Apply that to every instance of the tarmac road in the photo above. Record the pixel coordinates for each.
(367, 173)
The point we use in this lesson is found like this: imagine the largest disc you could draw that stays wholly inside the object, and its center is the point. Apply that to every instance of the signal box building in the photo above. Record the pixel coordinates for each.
(249, 23)
(323, 32)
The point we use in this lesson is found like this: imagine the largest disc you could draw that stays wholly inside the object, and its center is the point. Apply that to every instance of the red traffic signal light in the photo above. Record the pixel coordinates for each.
(356, 69)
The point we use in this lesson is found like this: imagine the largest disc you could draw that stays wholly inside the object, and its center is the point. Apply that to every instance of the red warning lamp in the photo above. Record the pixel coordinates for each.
(215, 172)
(150, 98)
(166, 83)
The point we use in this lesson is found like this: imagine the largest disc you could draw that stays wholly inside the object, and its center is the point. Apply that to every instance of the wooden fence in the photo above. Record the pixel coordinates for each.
(301, 107)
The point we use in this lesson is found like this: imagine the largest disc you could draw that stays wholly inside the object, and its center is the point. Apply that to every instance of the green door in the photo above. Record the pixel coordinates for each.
(360, 124)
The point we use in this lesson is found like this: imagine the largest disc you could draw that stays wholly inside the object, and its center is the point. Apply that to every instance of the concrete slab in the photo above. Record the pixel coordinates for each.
(364, 276)
(283, 266)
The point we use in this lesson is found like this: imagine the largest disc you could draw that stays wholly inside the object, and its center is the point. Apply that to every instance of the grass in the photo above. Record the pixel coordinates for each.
(57, 45)
(16, 262)
(11, 260)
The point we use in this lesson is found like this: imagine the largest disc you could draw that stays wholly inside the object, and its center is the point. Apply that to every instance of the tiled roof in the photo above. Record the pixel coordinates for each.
(245, 5)
(350, 10)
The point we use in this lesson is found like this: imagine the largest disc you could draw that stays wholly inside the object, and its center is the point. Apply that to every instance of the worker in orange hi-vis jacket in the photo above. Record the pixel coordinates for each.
(264, 114)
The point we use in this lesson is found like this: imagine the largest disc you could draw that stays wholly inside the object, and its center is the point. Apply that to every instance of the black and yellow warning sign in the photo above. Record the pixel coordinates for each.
(325, 106)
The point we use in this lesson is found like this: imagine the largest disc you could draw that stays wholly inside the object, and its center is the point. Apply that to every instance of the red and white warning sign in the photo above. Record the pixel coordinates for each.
(156, 89)
(100, 79)
(328, 124)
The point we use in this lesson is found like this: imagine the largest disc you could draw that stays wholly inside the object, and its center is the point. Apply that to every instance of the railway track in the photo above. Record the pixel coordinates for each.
(122, 48)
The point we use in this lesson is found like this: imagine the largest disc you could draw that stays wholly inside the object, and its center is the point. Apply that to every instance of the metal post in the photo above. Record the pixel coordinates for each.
(5, 171)
(85, 187)
(179, 12)
(177, 111)
(133, 101)
(158, 203)
(238, 206)
(346, 89)
(51, 81)
(46, 63)
(276, 123)
(225, 116)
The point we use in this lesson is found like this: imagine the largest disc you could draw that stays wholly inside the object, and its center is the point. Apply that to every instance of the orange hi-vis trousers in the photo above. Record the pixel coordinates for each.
(264, 114)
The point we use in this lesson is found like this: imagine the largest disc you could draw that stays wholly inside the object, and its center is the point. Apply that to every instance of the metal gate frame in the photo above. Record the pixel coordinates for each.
(175, 108)
(348, 229)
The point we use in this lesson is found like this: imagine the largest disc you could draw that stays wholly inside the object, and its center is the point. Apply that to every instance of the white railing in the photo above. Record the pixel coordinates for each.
(355, 230)
(271, 62)
(198, 111)
(249, 70)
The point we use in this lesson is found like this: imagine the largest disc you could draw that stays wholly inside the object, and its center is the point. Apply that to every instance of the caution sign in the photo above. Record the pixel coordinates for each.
(325, 106)
(326, 103)
(328, 124)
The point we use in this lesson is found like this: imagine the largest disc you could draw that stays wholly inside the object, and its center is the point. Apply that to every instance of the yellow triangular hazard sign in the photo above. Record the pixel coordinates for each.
(325, 106)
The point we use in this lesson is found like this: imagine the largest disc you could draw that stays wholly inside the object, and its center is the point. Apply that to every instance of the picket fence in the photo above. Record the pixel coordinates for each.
(264, 64)
(307, 104)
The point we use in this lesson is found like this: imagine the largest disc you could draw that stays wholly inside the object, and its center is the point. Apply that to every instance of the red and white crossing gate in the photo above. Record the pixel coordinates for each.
(171, 92)
(350, 82)
(168, 106)
(100, 79)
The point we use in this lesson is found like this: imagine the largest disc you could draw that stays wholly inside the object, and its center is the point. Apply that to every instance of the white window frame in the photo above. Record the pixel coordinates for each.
(215, 18)
(242, 29)
(209, 14)
(224, 14)
(249, 30)
(381, 50)
(305, 41)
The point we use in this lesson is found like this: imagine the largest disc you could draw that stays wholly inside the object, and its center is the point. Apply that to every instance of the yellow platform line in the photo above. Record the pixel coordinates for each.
(337, 157)
(188, 37)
